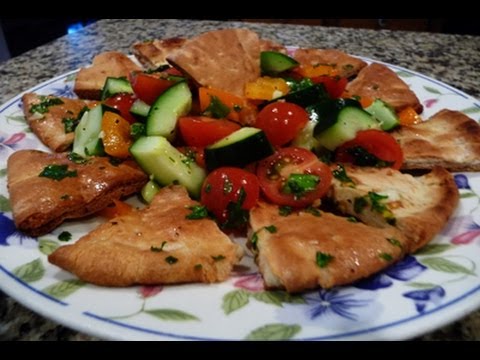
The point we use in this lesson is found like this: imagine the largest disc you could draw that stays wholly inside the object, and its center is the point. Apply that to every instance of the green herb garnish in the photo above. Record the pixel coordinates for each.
(299, 184)
(323, 259)
(285, 210)
(75, 158)
(65, 236)
(341, 174)
(361, 157)
(137, 130)
(385, 256)
(218, 257)
(198, 212)
(44, 104)
(216, 108)
(158, 249)
(171, 260)
(57, 172)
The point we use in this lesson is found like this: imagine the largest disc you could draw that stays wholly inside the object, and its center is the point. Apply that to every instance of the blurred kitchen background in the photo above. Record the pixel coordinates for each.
(18, 35)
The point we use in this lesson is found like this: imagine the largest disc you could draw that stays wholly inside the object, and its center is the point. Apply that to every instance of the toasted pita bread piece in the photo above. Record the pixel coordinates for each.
(449, 139)
(52, 123)
(155, 245)
(306, 251)
(152, 54)
(40, 204)
(345, 64)
(418, 206)
(89, 81)
(223, 59)
(377, 81)
(270, 45)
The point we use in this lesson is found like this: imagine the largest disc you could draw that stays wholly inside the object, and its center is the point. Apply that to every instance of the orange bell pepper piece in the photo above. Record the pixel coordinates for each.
(116, 208)
(116, 135)
(409, 116)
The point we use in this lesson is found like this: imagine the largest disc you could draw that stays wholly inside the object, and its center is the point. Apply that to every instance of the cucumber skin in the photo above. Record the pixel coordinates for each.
(162, 121)
(238, 154)
(157, 157)
(384, 114)
(346, 127)
(272, 62)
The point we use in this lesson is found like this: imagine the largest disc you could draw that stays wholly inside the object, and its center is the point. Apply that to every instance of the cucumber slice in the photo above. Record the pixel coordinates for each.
(149, 190)
(162, 118)
(140, 108)
(350, 120)
(115, 86)
(238, 149)
(305, 97)
(384, 113)
(87, 133)
(272, 62)
(325, 112)
(156, 156)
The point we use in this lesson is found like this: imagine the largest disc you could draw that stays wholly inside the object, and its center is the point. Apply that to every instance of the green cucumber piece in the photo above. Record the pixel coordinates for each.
(325, 112)
(140, 108)
(238, 149)
(350, 120)
(272, 62)
(115, 86)
(149, 190)
(157, 157)
(87, 133)
(162, 118)
(305, 97)
(384, 113)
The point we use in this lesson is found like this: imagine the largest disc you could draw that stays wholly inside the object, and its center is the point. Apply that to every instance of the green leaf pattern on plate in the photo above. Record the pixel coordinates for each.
(432, 90)
(422, 285)
(471, 110)
(30, 272)
(274, 332)
(47, 246)
(234, 300)
(445, 265)
(4, 204)
(431, 249)
(172, 315)
(3, 173)
(62, 289)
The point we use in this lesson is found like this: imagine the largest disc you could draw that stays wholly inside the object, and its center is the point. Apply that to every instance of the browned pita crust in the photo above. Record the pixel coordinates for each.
(270, 45)
(223, 59)
(49, 127)
(287, 257)
(40, 204)
(420, 205)
(152, 54)
(89, 81)
(449, 139)
(378, 81)
(346, 65)
(156, 245)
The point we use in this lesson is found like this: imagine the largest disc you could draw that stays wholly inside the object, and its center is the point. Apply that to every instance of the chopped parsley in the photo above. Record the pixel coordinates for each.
(296, 85)
(382, 209)
(171, 260)
(137, 130)
(216, 108)
(361, 157)
(57, 172)
(323, 259)
(75, 158)
(341, 175)
(313, 211)
(300, 184)
(236, 216)
(359, 203)
(158, 69)
(218, 257)
(65, 236)
(208, 188)
(347, 67)
(70, 123)
(158, 249)
(272, 229)
(198, 266)
(198, 212)
(65, 197)
(395, 242)
(352, 219)
(44, 104)
(285, 210)
(385, 256)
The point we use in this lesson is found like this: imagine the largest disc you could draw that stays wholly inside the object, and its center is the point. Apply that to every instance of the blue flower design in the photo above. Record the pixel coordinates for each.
(462, 181)
(338, 302)
(9, 234)
(404, 270)
(424, 297)
(65, 91)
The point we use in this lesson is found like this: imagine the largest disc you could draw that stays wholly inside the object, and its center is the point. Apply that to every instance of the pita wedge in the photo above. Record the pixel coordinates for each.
(89, 81)
(345, 64)
(270, 45)
(52, 118)
(418, 206)
(449, 139)
(155, 245)
(46, 189)
(152, 54)
(378, 81)
(302, 251)
(223, 59)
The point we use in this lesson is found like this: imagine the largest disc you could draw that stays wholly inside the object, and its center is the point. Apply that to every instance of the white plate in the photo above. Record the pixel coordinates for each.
(421, 293)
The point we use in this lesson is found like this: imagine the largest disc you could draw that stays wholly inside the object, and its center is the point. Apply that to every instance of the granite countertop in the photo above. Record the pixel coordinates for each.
(454, 59)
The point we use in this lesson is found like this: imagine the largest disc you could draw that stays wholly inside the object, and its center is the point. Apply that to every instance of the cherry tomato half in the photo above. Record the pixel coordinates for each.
(376, 142)
(122, 102)
(202, 131)
(281, 122)
(293, 176)
(223, 186)
(148, 88)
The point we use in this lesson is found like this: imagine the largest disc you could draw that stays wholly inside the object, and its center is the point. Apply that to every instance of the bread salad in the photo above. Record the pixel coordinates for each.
(319, 158)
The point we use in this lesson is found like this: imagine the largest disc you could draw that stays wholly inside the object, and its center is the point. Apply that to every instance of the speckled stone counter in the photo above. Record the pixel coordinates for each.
(453, 59)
